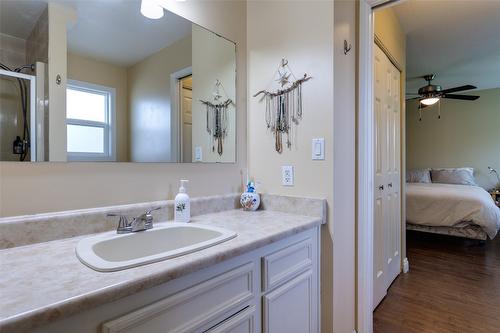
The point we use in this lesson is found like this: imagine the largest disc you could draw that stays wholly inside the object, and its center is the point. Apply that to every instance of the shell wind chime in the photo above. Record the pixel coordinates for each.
(284, 106)
(217, 118)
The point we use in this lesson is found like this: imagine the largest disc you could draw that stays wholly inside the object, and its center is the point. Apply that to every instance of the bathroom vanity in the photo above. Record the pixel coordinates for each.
(266, 279)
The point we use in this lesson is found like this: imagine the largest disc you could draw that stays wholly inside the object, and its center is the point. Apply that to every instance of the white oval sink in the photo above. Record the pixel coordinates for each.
(112, 252)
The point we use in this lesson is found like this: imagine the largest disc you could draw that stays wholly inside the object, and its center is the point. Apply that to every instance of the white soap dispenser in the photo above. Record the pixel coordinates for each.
(182, 211)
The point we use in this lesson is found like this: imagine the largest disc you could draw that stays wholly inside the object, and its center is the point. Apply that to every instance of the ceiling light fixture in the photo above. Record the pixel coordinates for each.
(151, 9)
(429, 100)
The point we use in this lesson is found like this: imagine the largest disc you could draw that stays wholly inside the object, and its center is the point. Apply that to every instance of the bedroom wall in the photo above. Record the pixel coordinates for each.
(465, 136)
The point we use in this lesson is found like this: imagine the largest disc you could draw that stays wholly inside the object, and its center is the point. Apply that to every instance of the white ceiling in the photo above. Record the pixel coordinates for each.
(108, 30)
(457, 40)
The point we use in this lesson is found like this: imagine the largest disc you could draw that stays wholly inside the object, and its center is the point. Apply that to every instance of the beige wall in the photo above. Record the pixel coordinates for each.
(29, 188)
(388, 29)
(59, 18)
(213, 59)
(467, 135)
(273, 33)
(344, 169)
(37, 43)
(92, 71)
(149, 102)
(12, 51)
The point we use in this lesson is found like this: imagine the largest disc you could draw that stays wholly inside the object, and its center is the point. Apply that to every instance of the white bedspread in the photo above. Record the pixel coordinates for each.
(451, 205)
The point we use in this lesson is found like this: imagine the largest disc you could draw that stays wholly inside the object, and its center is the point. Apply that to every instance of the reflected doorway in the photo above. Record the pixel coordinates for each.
(186, 103)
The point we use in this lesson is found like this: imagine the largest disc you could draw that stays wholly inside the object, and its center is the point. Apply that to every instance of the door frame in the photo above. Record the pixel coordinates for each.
(181, 116)
(365, 163)
(175, 113)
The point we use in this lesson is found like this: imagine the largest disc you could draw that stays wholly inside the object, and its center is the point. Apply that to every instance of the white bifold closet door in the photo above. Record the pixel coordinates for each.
(387, 221)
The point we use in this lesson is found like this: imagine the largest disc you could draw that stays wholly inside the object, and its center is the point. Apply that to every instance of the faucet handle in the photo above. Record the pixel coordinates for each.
(148, 217)
(148, 212)
(123, 224)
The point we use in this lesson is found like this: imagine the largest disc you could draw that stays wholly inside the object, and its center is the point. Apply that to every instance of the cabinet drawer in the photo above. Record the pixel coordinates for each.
(242, 322)
(286, 263)
(190, 309)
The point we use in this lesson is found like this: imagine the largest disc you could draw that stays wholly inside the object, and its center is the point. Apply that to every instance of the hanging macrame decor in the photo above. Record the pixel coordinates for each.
(284, 106)
(217, 118)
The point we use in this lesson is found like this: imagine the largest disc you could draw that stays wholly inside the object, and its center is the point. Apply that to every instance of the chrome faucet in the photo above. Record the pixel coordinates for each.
(139, 223)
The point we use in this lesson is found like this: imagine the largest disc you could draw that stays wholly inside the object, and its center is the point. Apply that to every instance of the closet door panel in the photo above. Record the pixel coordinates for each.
(380, 225)
(394, 175)
(387, 219)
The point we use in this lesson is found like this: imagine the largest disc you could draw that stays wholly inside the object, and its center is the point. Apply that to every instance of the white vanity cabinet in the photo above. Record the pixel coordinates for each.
(273, 289)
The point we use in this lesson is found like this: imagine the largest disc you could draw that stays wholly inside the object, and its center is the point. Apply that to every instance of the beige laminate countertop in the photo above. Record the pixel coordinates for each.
(44, 282)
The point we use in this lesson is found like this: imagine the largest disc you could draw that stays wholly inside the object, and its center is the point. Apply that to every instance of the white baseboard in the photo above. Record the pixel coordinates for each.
(406, 265)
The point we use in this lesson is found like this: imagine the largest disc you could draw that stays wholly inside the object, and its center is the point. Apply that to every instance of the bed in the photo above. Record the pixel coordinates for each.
(450, 209)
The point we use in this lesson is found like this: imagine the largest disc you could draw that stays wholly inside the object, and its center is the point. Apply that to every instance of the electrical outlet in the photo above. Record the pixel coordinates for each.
(198, 154)
(287, 175)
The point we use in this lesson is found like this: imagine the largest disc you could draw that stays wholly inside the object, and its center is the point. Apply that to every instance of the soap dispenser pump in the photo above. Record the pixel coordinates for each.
(182, 211)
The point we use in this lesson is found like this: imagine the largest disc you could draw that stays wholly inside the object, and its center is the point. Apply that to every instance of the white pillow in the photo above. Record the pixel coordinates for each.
(418, 176)
(459, 176)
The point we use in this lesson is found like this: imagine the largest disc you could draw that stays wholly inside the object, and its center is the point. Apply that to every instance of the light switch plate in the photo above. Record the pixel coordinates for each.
(198, 154)
(287, 175)
(318, 149)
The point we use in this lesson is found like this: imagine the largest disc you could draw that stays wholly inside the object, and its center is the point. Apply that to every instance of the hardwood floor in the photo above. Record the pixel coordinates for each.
(453, 286)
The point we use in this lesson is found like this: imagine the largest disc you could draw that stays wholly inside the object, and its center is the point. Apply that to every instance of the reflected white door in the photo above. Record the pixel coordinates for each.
(387, 220)
(187, 119)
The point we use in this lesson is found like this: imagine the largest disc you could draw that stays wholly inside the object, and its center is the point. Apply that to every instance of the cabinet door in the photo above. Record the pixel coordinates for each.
(242, 322)
(289, 308)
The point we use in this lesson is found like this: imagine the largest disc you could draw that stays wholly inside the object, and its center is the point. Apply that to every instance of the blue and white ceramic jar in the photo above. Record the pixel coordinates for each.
(250, 200)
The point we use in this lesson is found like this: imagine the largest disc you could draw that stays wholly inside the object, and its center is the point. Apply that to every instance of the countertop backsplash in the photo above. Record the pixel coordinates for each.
(31, 229)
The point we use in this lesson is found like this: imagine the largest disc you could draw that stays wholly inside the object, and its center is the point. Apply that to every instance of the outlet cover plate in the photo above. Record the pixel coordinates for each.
(198, 154)
(287, 175)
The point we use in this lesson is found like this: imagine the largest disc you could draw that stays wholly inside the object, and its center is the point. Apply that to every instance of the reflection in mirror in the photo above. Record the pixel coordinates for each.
(99, 81)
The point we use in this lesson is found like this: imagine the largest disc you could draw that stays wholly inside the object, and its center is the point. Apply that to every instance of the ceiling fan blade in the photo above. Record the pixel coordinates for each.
(461, 97)
(413, 98)
(456, 89)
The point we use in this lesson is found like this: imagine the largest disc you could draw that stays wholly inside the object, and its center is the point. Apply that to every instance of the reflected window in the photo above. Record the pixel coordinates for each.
(90, 118)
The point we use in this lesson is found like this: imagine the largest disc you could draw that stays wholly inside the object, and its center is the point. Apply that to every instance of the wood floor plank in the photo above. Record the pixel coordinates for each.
(453, 287)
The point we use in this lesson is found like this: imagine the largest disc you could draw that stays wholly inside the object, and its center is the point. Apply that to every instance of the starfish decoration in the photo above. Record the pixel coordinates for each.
(216, 92)
(216, 95)
(283, 78)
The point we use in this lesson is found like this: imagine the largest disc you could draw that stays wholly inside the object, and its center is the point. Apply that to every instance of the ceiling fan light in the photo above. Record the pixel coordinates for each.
(429, 101)
(151, 10)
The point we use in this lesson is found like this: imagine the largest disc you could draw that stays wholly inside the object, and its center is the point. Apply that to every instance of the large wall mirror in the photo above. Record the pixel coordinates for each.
(121, 80)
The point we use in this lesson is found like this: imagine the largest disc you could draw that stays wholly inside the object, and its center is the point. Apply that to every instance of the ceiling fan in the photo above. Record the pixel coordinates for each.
(430, 94)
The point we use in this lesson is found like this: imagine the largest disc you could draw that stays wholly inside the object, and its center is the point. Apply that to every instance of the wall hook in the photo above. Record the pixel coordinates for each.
(347, 47)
